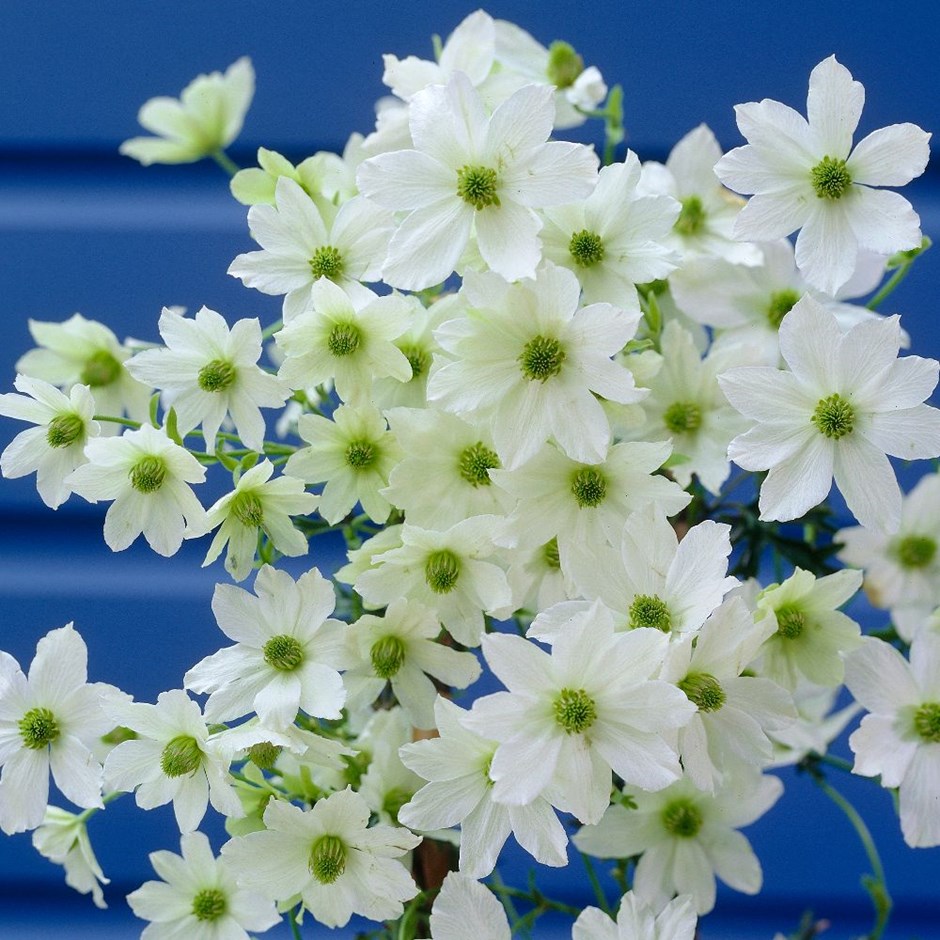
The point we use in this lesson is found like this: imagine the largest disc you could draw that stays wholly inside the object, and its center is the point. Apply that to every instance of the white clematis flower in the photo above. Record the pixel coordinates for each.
(805, 175)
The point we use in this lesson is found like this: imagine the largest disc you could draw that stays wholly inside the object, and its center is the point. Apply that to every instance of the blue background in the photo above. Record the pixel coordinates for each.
(83, 229)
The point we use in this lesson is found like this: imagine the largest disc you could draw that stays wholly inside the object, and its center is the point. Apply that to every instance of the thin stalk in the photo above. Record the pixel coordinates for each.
(596, 885)
(226, 162)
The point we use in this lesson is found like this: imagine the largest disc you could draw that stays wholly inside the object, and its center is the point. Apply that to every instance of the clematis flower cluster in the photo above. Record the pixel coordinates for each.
(524, 387)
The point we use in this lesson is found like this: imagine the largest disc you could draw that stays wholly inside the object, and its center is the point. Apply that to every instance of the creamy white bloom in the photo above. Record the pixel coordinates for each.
(529, 361)
(63, 839)
(811, 635)
(686, 838)
(56, 446)
(172, 758)
(902, 571)
(736, 712)
(445, 570)
(614, 239)
(572, 716)
(846, 402)
(705, 222)
(637, 921)
(258, 503)
(324, 177)
(286, 653)
(211, 372)
(347, 339)
(148, 476)
(900, 739)
(456, 765)
(303, 240)
(353, 454)
(49, 720)
(329, 857)
(203, 121)
(806, 175)
(400, 649)
(86, 352)
(198, 897)
(474, 173)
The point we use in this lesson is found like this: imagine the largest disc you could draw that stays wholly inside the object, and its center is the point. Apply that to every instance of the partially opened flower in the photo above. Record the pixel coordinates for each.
(466, 910)
(203, 121)
(638, 921)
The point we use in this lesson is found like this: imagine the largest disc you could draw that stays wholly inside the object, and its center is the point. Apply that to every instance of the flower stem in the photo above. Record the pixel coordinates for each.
(226, 162)
(292, 920)
(875, 883)
(596, 885)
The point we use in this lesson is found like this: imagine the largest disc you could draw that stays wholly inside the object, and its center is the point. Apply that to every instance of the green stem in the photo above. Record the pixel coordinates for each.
(226, 162)
(596, 885)
(125, 421)
(269, 331)
(875, 883)
(888, 288)
(292, 920)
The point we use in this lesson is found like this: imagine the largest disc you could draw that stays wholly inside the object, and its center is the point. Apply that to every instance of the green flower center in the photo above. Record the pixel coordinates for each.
(790, 623)
(649, 610)
(247, 509)
(441, 571)
(586, 248)
(394, 800)
(682, 818)
(217, 376)
(691, 219)
(326, 262)
(65, 429)
(327, 859)
(915, 551)
(564, 64)
(388, 656)
(575, 710)
(344, 339)
(264, 754)
(101, 368)
(704, 690)
(38, 728)
(474, 463)
(550, 555)
(419, 359)
(589, 487)
(477, 185)
(209, 904)
(541, 358)
(682, 417)
(181, 756)
(283, 652)
(831, 179)
(834, 416)
(360, 455)
(148, 474)
(781, 303)
(927, 722)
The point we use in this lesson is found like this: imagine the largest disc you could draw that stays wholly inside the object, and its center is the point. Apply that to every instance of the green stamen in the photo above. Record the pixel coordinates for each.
(441, 571)
(247, 508)
(217, 376)
(691, 219)
(394, 800)
(388, 656)
(209, 904)
(790, 623)
(283, 652)
(360, 455)
(474, 463)
(781, 303)
(704, 690)
(650, 611)
(834, 416)
(327, 859)
(589, 487)
(181, 756)
(38, 727)
(575, 710)
(586, 248)
(682, 818)
(344, 339)
(683, 417)
(831, 179)
(541, 358)
(564, 64)
(477, 185)
(420, 359)
(65, 429)
(101, 368)
(550, 555)
(927, 722)
(148, 474)
(915, 551)
(264, 755)
(326, 262)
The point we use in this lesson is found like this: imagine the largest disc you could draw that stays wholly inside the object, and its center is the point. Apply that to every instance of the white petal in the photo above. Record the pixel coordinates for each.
(867, 481)
(834, 106)
(891, 156)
